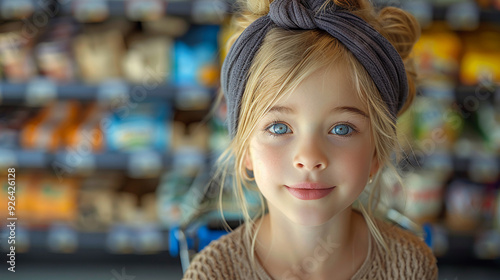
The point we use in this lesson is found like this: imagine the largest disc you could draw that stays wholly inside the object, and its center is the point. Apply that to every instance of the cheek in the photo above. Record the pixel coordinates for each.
(268, 160)
(354, 162)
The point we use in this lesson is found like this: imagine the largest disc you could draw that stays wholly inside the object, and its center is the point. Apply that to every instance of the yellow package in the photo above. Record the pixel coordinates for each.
(481, 60)
(57, 200)
(437, 55)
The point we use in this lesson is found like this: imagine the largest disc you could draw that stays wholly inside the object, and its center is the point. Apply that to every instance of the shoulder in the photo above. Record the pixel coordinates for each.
(410, 256)
(223, 258)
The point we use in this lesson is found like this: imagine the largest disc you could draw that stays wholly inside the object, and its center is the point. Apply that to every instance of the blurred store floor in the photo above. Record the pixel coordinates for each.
(449, 272)
(156, 267)
(100, 266)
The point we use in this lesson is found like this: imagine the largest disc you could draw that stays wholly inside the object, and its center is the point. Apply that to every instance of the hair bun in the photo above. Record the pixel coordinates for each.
(401, 29)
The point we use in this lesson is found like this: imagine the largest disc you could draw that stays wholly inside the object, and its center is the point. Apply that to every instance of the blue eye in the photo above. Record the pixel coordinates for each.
(342, 129)
(279, 128)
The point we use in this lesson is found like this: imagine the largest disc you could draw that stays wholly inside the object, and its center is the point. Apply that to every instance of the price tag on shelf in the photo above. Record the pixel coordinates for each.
(7, 159)
(112, 91)
(40, 91)
(148, 239)
(209, 11)
(463, 16)
(144, 10)
(22, 239)
(144, 163)
(421, 10)
(17, 9)
(90, 10)
(120, 239)
(85, 165)
(62, 238)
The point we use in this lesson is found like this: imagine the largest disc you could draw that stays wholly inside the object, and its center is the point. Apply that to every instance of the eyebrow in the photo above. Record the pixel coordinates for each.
(288, 110)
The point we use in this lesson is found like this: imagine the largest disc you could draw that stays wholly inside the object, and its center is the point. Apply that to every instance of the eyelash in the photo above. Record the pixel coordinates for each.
(275, 122)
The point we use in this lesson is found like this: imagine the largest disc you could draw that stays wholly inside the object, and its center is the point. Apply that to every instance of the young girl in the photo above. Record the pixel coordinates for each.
(313, 89)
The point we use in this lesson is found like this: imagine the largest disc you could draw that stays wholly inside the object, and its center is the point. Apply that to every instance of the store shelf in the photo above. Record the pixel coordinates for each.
(122, 160)
(21, 93)
(479, 93)
(194, 9)
(19, 9)
(485, 15)
(87, 242)
(461, 251)
(32, 93)
(24, 158)
(202, 10)
(459, 164)
(118, 7)
(74, 161)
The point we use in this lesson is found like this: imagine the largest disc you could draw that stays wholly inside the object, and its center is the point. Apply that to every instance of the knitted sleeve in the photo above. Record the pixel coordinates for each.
(225, 258)
(212, 262)
(410, 257)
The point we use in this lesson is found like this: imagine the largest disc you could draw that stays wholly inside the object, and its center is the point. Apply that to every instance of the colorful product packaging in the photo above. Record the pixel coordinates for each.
(99, 55)
(47, 130)
(481, 59)
(463, 205)
(145, 126)
(437, 55)
(147, 61)
(87, 131)
(16, 55)
(95, 201)
(424, 196)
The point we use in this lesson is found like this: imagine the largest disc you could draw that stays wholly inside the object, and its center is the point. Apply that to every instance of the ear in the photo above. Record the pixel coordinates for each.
(248, 160)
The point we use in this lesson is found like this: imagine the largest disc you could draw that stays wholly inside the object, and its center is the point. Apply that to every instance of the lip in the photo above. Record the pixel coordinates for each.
(310, 186)
(309, 191)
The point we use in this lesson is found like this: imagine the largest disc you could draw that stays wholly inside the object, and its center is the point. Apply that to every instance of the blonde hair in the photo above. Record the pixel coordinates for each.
(284, 60)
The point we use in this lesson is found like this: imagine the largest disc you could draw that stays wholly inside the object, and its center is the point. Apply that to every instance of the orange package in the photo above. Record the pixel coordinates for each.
(46, 130)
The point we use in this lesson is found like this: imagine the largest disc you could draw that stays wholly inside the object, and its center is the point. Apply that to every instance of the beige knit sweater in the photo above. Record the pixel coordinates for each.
(229, 258)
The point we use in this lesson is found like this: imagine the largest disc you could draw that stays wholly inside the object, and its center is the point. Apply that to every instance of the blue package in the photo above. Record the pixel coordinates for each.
(194, 53)
(146, 126)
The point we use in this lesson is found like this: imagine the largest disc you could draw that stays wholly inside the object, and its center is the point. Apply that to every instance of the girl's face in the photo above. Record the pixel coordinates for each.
(319, 133)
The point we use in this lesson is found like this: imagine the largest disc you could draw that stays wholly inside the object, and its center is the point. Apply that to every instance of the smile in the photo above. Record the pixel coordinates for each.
(309, 194)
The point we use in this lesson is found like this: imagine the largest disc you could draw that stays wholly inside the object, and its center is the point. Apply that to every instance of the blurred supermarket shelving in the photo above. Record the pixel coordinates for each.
(84, 83)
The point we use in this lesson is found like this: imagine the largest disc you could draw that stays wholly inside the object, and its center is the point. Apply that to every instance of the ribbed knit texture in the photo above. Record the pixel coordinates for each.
(229, 258)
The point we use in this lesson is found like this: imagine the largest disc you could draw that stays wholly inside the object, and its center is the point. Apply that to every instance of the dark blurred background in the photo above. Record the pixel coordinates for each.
(103, 107)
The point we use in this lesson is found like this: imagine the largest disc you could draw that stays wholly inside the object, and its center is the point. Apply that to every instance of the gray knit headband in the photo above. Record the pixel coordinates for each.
(382, 62)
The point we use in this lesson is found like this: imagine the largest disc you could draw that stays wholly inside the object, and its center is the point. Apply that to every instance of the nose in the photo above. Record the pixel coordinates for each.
(310, 156)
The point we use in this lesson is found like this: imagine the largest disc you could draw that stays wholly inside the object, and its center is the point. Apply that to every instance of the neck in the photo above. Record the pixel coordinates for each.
(303, 251)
